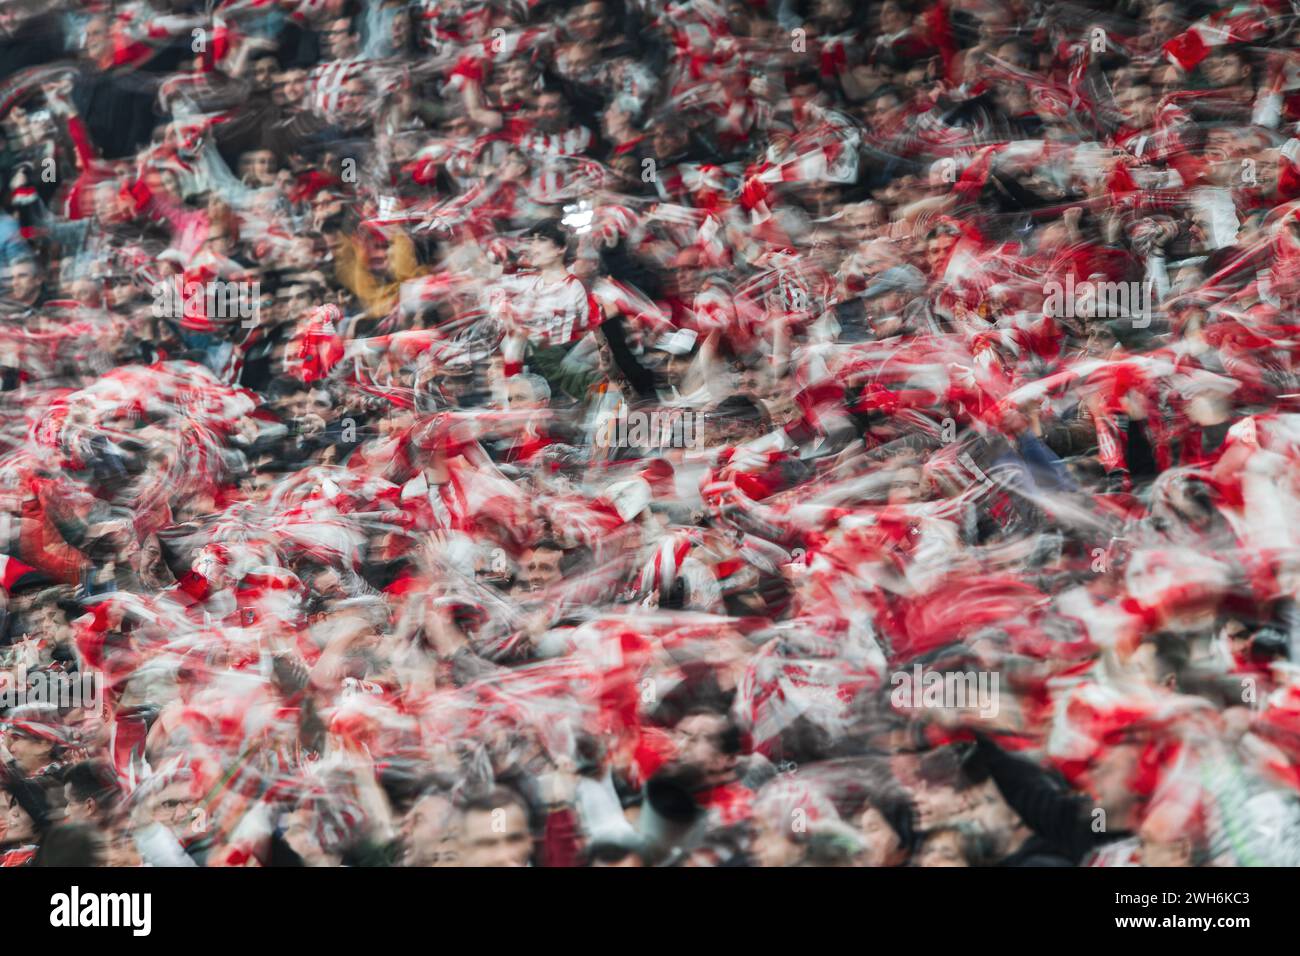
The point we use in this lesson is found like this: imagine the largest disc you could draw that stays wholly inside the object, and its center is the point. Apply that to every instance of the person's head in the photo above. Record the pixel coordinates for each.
(1017, 53)
(552, 112)
(1226, 66)
(340, 38)
(96, 41)
(172, 803)
(527, 391)
(263, 73)
(669, 139)
(513, 167)
(545, 245)
(1163, 22)
(540, 566)
(26, 812)
(886, 827)
(943, 790)
(303, 831)
(495, 830)
(787, 812)
(708, 741)
(885, 107)
(938, 247)
(1002, 825)
(354, 98)
(1137, 104)
(91, 791)
(678, 358)
(258, 167)
(32, 749)
(432, 831)
(587, 21)
(24, 280)
(73, 844)
(290, 88)
(13, 16)
(893, 17)
(957, 844)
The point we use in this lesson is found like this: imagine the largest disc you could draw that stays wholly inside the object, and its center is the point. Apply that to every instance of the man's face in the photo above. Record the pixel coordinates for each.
(291, 87)
(540, 568)
(96, 42)
(698, 740)
(992, 813)
(552, 113)
(676, 367)
(884, 109)
(1137, 104)
(937, 804)
(1163, 21)
(79, 811)
(519, 395)
(12, 17)
(24, 280)
(353, 98)
(172, 806)
(669, 140)
(496, 838)
(936, 251)
(339, 38)
(432, 836)
(264, 73)
(1225, 69)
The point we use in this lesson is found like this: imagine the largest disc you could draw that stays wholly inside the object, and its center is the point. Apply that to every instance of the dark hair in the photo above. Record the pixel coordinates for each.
(551, 230)
(94, 780)
(944, 767)
(31, 798)
(71, 844)
(548, 544)
(896, 808)
(728, 739)
(612, 851)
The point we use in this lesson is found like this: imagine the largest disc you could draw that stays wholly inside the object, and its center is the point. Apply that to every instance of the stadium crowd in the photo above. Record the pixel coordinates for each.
(649, 432)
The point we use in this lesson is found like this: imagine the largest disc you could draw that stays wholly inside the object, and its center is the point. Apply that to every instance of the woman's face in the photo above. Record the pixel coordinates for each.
(19, 827)
(883, 846)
